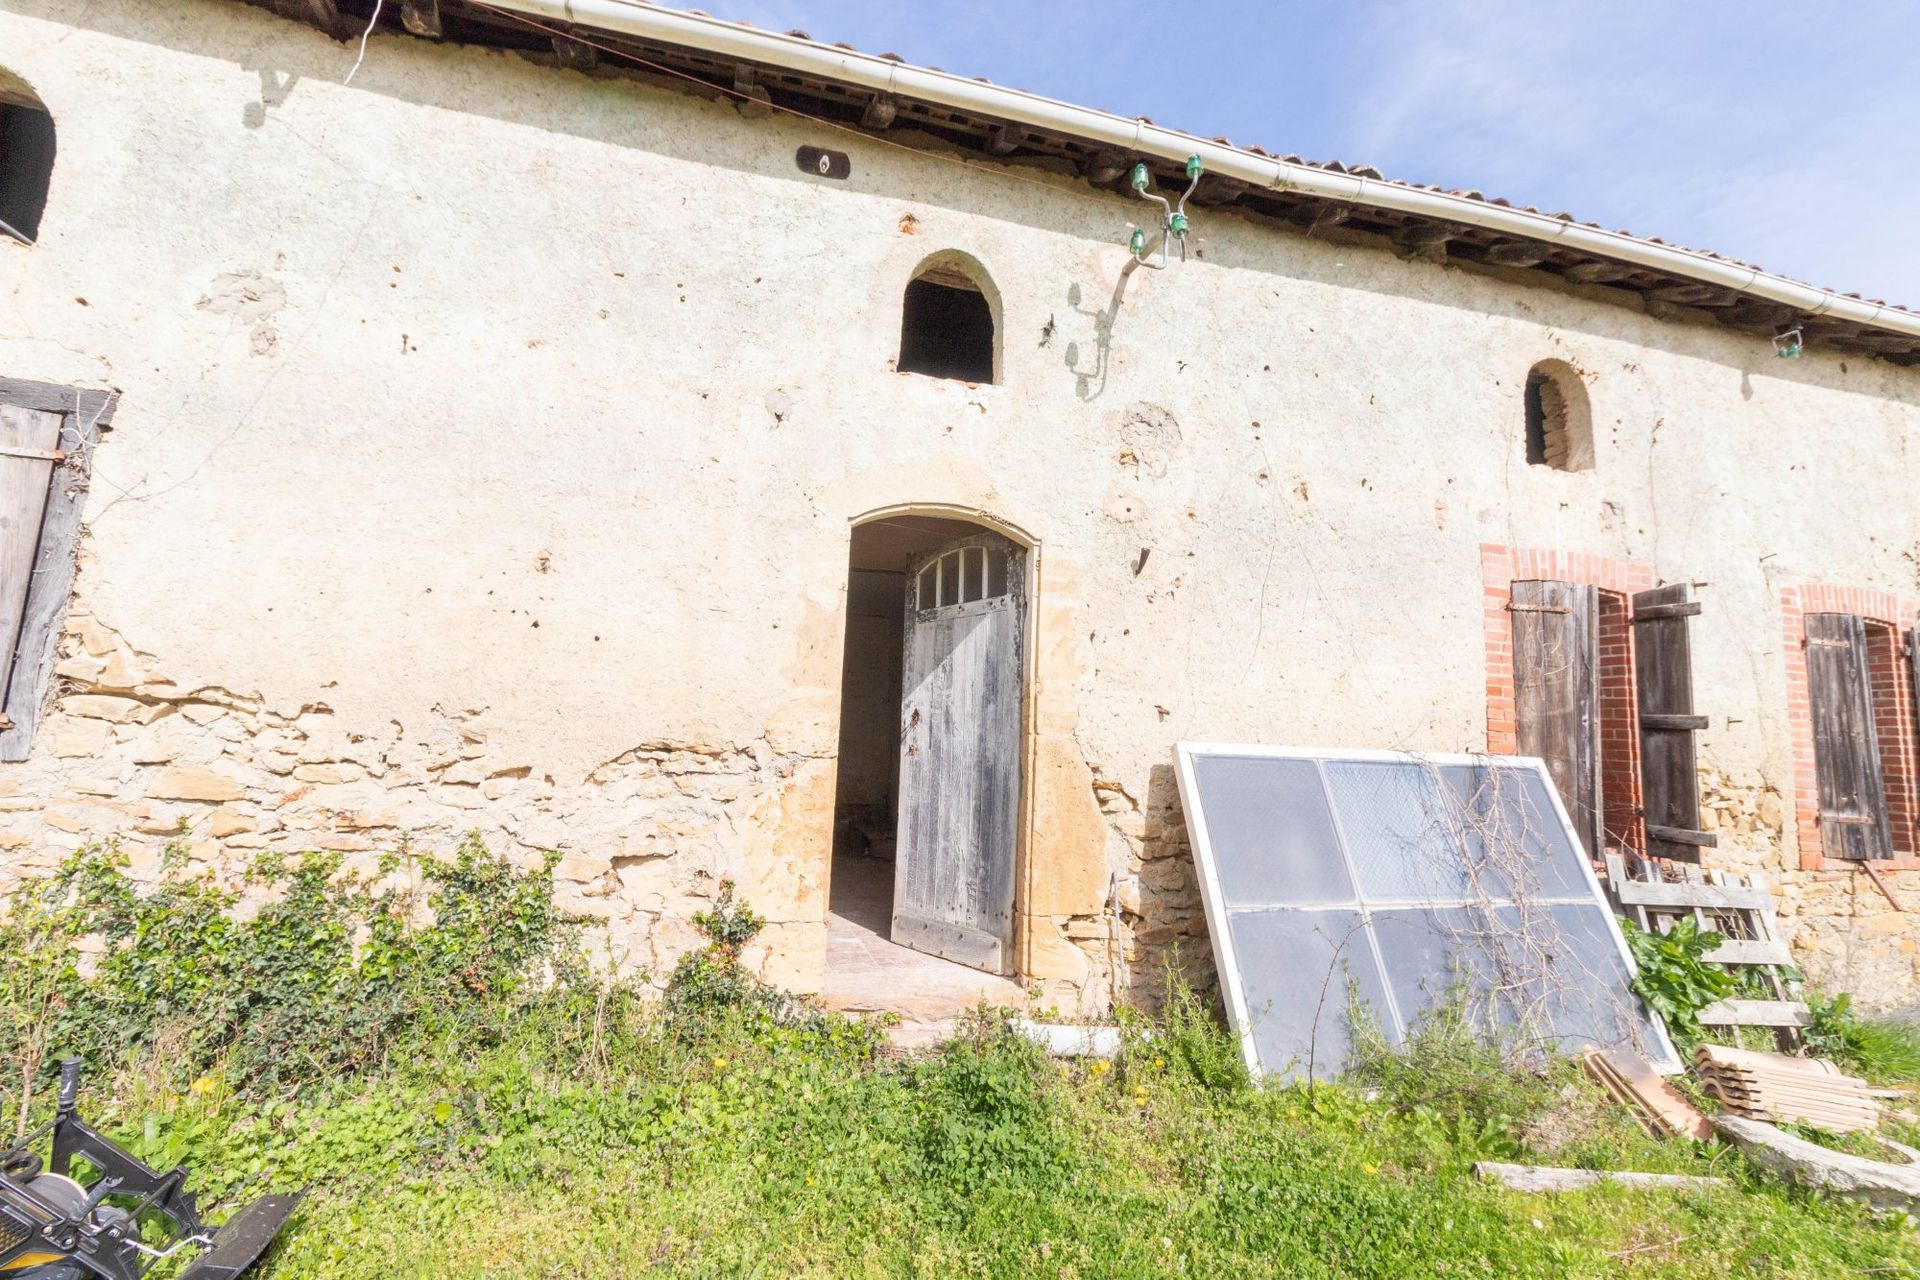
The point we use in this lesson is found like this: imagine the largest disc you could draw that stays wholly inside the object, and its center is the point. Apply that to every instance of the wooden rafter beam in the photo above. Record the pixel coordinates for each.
(1516, 253)
(577, 55)
(752, 100)
(1596, 272)
(421, 17)
(1694, 295)
(880, 112)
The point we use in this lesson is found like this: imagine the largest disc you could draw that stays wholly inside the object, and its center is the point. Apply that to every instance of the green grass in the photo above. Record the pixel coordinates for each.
(755, 1149)
(465, 1100)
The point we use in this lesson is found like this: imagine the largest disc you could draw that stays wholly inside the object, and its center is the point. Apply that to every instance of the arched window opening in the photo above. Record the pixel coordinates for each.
(26, 159)
(947, 323)
(1559, 424)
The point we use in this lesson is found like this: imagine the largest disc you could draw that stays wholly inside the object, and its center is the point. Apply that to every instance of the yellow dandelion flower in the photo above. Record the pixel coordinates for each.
(1369, 1169)
(719, 1064)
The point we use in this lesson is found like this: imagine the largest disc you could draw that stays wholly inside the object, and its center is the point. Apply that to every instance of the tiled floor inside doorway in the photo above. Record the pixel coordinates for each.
(866, 972)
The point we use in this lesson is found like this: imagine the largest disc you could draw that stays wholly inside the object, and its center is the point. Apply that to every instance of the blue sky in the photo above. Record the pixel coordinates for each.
(1782, 134)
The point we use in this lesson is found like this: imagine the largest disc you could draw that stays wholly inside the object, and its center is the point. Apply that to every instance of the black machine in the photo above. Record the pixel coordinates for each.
(53, 1227)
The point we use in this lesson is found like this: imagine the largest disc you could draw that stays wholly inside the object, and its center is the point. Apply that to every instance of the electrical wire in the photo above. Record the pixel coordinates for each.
(372, 22)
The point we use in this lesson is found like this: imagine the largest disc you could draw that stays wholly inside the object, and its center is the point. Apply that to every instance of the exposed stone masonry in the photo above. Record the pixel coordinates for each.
(126, 754)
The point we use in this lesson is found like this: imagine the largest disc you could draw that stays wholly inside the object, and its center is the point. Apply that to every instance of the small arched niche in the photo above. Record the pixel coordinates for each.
(1559, 421)
(950, 320)
(26, 158)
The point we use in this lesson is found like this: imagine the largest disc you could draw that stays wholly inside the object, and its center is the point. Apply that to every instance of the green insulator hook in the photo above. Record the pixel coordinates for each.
(1137, 242)
(1178, 225)
(1194, 166)
(1140, 177)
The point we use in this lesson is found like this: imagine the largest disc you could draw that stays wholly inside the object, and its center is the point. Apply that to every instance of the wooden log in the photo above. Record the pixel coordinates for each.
(1885, 1187)
(1537, 1178)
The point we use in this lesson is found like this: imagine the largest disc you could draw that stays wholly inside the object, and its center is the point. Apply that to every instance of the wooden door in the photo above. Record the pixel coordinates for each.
(1556, 699)
(960, 717)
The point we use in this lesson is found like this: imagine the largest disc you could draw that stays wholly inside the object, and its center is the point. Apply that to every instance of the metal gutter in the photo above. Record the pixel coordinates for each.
(1137, 137)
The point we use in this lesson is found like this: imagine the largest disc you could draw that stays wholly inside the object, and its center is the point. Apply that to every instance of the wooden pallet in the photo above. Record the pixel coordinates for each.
(1742, 912)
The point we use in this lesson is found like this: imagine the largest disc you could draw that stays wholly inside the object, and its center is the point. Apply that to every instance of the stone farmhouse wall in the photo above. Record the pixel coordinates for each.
(490, 435)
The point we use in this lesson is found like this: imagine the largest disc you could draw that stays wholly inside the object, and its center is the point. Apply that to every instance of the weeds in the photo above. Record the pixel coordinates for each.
(1675, 978)
(1884, 1051)
(490, 1113)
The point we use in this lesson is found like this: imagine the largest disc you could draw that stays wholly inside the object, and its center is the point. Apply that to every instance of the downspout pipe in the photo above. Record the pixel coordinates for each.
(1137, 137)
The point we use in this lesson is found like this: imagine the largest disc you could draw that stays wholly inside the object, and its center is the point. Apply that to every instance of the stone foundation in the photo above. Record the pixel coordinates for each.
(1845, 934)
(127, 755)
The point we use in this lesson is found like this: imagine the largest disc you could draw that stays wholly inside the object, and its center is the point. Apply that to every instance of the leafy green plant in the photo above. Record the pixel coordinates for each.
(327, 978)
(1882, 1050)
(1675, 978)
(1193, 1039)
(987, 1108)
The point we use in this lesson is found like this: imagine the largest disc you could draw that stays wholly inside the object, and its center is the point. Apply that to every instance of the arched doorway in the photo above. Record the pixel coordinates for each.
(928, 798)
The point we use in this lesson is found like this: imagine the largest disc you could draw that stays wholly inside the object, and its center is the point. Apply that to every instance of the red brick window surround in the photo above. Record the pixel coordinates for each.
(1889, 620)
(1616, 581)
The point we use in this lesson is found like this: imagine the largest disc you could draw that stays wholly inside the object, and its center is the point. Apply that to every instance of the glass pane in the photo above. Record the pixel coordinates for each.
(1438, 955)
(950, 578)
(1271, 832)
(1306, 976)
(1402, 845)
(1513, 836)
(927, 596)
(974, 574)
(996, 574)
(1579, 994)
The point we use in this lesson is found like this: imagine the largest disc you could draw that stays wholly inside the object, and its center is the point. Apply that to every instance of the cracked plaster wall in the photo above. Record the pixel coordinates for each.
(490, 436)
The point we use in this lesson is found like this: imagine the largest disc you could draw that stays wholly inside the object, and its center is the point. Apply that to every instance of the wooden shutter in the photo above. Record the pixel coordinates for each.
(28, 439)
(1556, 679)
(1663, 675)
(1846, 750)
(1913, 660)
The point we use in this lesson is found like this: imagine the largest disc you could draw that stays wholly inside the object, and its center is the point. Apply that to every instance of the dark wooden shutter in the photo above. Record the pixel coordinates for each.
(1556, 679)
(1846, 750)
(1663, 674)
(1913, 660)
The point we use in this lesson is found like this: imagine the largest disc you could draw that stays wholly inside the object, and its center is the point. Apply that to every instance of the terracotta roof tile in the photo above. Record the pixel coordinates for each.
(1335, 166)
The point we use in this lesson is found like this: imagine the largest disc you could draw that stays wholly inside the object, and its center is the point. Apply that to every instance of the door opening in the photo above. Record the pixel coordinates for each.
(928, 787)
